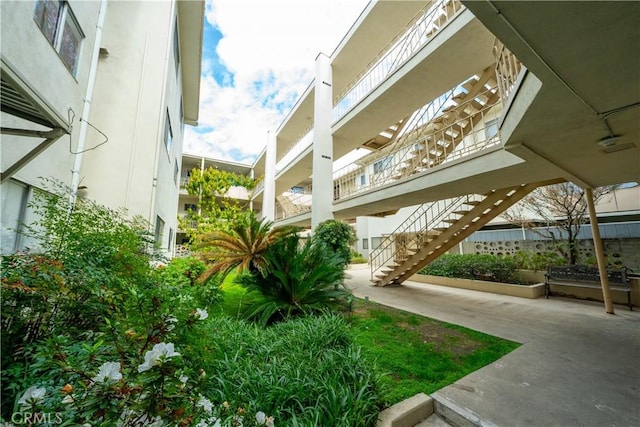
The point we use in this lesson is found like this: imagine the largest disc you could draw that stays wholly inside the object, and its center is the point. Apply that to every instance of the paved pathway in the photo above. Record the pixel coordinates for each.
(578, 366)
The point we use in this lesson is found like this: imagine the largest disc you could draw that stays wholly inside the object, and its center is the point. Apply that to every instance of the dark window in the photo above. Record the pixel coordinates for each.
(60, 27)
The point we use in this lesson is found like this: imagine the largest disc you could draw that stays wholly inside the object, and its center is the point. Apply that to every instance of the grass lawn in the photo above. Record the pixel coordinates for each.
(415, 353)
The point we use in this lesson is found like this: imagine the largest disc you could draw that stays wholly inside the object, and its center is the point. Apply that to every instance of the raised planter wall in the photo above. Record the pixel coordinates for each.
(531, 291)
(522, 291)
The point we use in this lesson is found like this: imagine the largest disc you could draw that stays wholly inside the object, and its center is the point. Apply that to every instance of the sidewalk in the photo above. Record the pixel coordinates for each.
(578, 366)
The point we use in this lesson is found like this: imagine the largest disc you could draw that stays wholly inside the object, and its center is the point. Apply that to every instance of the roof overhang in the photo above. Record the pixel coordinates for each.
(191, 28)
(19, 100)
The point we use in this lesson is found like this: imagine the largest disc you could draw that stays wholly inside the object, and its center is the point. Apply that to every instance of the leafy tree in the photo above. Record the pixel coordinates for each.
(338, 236)
(214, 211)
(299, 278)
(242, 245)
(556, 212)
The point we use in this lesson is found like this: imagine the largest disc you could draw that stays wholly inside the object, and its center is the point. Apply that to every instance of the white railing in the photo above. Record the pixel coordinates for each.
(508, 67)
(420, 31)
(425, 223)
(292, 203)
(462, 133)
(295, 149)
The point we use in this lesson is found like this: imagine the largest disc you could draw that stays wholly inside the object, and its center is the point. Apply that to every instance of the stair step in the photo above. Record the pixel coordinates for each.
(440, 228)
(450, 221)
(463, 212)
(472, 203)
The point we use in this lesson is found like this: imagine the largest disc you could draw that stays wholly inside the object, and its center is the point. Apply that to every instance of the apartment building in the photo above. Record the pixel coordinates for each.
(463, 108)
(187, 202)
(96, 95)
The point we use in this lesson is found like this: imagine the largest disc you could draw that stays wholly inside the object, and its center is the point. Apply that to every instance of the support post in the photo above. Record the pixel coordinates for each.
(597, 243)
(322, 191)
(269, 189)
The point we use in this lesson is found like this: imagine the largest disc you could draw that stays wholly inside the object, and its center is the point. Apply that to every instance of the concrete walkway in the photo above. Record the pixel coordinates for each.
(578, 366)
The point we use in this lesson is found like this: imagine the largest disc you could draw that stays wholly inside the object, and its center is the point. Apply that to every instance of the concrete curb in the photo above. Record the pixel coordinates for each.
(456, 415)
(407, 413)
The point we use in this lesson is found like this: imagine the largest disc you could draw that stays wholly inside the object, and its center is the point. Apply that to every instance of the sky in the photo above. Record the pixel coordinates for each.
(258, 57)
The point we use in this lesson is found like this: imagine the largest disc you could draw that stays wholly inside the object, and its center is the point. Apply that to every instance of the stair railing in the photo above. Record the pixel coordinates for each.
(423, 148)
(427, 217)
(508, 67)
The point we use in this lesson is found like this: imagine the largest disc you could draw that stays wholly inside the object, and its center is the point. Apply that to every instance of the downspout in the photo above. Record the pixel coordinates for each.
(86, 109)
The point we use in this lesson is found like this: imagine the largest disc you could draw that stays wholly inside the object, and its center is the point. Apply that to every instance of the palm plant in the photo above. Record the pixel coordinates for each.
(300, 278)
(242, 247)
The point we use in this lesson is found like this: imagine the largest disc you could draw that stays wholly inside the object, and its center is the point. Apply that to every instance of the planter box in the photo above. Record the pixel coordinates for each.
(522, 291)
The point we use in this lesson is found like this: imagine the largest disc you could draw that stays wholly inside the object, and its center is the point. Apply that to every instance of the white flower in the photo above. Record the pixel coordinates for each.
(67, 399)
(170, 321)
(201, 314)
(32, 396)
(183, 379)
(202, 423)
(109, 371)
(160, 353)
(205, 404)
(261, 417)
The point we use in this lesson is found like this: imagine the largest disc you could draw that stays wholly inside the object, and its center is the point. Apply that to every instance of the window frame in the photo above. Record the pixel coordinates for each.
(65, 18)
(168, 132)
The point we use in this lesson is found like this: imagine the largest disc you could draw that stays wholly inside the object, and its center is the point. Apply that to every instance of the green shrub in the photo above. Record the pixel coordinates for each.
(537, 261)
(299, 278)
(474, 266)
(336, 235)
(305, 371)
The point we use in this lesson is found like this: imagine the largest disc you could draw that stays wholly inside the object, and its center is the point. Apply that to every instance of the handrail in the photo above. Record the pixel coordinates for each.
(508, 68)
(291, 203)
(427, 146)
(421, 30)
(426, 218)
(301, 144)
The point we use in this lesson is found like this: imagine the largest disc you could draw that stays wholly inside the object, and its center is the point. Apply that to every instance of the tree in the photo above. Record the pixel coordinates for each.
(338, 236)
(556, 212)
(242, 245)
(214, 211)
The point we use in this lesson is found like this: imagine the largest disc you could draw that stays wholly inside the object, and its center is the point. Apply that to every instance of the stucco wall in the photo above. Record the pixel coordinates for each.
(29, 54)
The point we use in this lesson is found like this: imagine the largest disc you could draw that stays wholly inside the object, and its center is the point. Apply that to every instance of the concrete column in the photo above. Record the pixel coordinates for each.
(322, 192)
(269, 191)
(597, 243)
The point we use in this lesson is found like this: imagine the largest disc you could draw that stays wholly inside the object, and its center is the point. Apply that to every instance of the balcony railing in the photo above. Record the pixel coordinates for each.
(427, 146)
(295, 149)
(420, 31)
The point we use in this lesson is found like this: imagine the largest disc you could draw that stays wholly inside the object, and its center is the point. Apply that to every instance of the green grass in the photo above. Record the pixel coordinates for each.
(413, 353)
(419, 354)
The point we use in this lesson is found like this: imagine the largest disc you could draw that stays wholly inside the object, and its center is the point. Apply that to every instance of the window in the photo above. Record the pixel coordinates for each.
(365, 243)
(170, 239)
(381, 165)
(14, 201)
(190, 207)
(168, 133)
(159, 230)
(363, 180)
(297, 190)
(491, 128)
(176, 46)
(60, 27)
(176, 173)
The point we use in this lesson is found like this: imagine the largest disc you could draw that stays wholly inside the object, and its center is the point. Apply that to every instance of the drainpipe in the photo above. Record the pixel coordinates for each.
(86, 109)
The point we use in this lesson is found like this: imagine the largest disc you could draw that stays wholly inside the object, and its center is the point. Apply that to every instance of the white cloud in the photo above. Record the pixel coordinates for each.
(270, 47)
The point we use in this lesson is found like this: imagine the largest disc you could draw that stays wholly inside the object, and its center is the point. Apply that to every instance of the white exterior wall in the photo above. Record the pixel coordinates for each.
(136, 84)
(35, 60)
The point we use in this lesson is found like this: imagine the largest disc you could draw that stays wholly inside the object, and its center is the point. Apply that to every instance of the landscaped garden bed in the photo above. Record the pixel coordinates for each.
(97, 330)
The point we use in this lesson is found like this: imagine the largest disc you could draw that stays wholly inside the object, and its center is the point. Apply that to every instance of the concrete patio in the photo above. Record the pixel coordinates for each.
(577, 365)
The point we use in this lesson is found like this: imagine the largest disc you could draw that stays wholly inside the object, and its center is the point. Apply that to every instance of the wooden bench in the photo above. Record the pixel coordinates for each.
(584, 276)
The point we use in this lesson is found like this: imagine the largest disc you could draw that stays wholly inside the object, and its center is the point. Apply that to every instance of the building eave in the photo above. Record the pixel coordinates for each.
(191, 29)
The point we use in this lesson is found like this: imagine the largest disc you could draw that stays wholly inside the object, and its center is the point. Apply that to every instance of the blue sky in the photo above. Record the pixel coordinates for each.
(258, 57)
